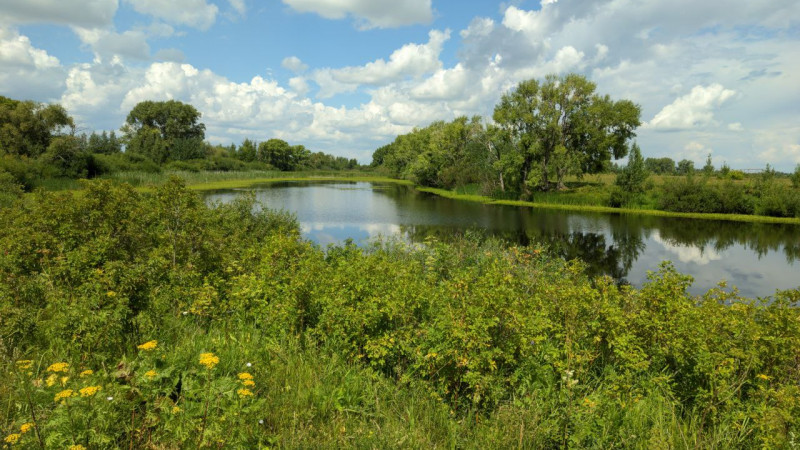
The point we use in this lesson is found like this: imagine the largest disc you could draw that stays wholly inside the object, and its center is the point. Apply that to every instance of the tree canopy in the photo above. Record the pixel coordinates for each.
(561, 127)
(27, 127)
(166, 130)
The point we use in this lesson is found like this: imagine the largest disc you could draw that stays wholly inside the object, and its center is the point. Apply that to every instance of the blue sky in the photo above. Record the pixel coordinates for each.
(346, 76)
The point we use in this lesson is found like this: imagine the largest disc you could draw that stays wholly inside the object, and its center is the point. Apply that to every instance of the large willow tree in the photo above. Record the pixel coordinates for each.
(561, 127)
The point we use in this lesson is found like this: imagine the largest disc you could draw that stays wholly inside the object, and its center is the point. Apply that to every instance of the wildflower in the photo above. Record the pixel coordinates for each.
(176, 409)
(209, 360)
(24, 364)
(762, 376)
(86, 373)
(25, 427)
(244, 392)
(147, 346)
(51, 380)
(63, 395)
(150, 374)
(89, 391)
(12, 438)
(261, 421)
(58, 367)
(249, 365)
(64, 381)
(109, 398)
(245, 376)
(249, 383)
(111, 294)
(77, 447)
(185, 313)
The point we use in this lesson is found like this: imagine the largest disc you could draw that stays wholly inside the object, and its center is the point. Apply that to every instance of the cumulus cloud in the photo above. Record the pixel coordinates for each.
(84, 13)
(239, 6)
(294, 64)
(369, 13)
(693, 109)
(194, 13)
(27, 71)
(410, 60)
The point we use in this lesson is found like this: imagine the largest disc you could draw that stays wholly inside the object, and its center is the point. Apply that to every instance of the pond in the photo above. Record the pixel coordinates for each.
(756, 258)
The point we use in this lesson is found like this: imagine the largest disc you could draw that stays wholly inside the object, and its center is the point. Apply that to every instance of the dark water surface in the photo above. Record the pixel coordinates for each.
(756, 258)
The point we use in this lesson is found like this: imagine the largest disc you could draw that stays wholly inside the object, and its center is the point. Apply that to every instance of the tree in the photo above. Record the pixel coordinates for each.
(708, 169)
(561, 127)
(247, 151)
(281, 155)
(660, 166)
(27, 128)
(631, 179)
(685, 167)
(795, 177)
(167, 130)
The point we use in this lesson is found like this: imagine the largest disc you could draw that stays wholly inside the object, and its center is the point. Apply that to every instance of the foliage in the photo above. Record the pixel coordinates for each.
(660, 166)
(165, 307)
(279, 154)
(795, 177)
(27, 128)
(630, 182)
(685, 167)
(164, 131)
(561, 127)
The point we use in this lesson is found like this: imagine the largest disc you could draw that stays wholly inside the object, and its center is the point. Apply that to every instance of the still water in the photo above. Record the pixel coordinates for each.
(756, 258)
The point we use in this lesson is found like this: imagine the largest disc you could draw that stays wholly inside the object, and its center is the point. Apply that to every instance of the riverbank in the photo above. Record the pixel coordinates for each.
(608, 209)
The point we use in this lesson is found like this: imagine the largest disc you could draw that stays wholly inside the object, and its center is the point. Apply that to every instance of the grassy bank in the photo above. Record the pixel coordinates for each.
(606, 209)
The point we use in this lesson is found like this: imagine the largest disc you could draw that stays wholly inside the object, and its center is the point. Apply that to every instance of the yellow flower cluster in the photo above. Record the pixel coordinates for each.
(209, 360)
(24, 364)
(246, 379)
(176, 409)
(762, 376)
(244, 392)
(77, 447)
(58, 367)
(51, 380)
(86, 373)
(63, 395)
(12, 438)
(147, 346)
(25, 427)
(150, 374)
(89, 391)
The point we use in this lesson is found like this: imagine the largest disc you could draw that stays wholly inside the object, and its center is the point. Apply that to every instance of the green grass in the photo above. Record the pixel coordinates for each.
(551, 204)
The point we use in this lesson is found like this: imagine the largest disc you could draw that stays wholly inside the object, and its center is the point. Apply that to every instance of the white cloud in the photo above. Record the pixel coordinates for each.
(239, 6)
(26, 71)
(84, 13)
(411, 60)
(369, 13)
(294, 64)
(695, 109)
(194, 13)
(107, 43)
(299, 85)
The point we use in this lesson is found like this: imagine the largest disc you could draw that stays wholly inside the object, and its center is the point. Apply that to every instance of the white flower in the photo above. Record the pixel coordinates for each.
(261, 421)
(185, 313)
(109, 398)
(249, 365)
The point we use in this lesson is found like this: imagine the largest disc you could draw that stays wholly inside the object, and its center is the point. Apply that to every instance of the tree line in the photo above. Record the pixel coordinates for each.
(542, 133)
(39, 141)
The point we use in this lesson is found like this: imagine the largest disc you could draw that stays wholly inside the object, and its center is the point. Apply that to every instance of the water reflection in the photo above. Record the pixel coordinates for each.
(758, 258)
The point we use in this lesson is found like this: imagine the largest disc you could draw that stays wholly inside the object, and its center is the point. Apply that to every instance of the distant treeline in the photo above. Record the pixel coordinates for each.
(39, 141)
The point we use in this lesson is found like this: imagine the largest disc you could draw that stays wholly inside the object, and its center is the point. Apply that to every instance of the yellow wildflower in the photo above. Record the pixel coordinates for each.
(762, 376)
(209, 360)
(86, 373)
(66, 393)
(24, 364)
(245, 376)
(77, 447)
(150, 374)
(64, 381)
(25, 427)
(249, 383)
(111, 294)
(58, 367)
(89, 391)
(147, 346)
(244, 392)
(12, 438)
(51, 380)
(176, 409)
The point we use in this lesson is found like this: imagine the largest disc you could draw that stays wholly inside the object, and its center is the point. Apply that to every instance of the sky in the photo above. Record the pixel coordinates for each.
(719, 77)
